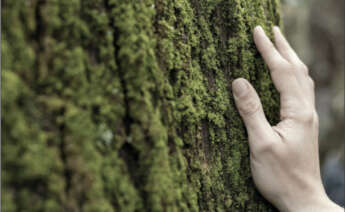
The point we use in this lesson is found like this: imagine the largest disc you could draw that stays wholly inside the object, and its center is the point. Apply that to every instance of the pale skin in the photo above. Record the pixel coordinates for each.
(284, 158)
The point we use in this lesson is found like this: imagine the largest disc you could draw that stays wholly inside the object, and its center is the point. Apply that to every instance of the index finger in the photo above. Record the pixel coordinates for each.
(267, 50)
(283, 78)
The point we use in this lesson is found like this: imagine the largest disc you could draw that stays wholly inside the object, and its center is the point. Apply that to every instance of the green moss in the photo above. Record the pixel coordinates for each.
(115, 105)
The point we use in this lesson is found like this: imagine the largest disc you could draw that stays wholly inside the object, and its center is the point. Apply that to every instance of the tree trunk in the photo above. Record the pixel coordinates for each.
(119, 105)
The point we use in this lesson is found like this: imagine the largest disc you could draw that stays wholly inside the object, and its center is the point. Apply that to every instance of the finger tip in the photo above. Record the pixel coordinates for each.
(239, 80)
(258, 29)
(240, 86)
(259, 33)
(276, 29)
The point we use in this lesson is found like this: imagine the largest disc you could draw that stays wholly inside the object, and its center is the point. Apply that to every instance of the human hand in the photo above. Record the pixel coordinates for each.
(284, 158)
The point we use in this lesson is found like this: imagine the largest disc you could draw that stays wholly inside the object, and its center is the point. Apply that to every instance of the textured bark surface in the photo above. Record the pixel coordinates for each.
(120, 105)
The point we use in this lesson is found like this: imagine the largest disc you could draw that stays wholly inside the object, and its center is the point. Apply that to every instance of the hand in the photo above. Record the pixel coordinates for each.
(284, 158)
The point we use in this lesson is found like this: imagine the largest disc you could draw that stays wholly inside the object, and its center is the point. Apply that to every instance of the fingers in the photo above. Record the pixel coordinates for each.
(290, 55)
(250, 108)
(282, 76)
(289, 74)
(283, 46)
(267, 49)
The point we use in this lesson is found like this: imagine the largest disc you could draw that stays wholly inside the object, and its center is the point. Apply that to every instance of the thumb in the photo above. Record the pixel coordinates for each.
(250, 108)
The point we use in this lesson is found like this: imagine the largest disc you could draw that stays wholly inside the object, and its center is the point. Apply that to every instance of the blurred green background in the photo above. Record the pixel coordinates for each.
(315, 29)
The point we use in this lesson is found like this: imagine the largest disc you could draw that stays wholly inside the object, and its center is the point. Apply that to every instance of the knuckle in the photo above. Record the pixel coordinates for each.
(307, 116)
(274, 66)
(311, 82)
(279, 65)
(304, 68)
(316, 119)
(289, 70)
(288, 113)
(249, 106)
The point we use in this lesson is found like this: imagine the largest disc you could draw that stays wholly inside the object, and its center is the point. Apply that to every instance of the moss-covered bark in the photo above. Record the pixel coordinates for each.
(123, 105)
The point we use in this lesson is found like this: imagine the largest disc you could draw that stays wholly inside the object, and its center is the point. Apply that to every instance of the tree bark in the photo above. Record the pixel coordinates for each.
(119, 105)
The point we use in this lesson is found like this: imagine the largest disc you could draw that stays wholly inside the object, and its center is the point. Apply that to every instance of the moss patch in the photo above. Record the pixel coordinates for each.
(114, 105)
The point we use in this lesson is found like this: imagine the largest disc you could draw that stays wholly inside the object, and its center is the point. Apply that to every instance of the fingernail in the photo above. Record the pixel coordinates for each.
(259, 29)
(240, 87)
(276, 28)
